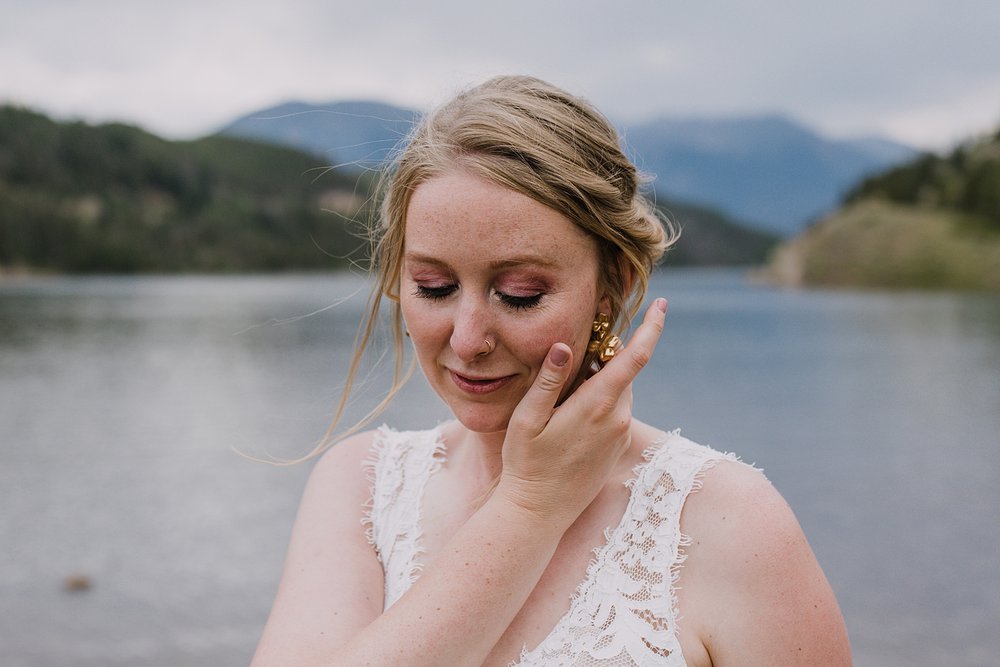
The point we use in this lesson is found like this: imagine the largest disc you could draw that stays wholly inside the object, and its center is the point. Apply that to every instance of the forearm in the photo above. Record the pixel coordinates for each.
(467, 597)
(464, 600)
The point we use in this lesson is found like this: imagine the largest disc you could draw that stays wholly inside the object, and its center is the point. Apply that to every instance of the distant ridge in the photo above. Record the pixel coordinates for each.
(769, 171)
(359, 134)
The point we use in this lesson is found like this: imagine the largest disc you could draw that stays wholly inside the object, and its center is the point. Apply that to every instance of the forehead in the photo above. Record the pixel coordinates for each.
(464, 217)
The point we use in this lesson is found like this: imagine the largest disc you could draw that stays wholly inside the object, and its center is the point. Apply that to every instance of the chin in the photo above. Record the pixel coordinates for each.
(483, 418)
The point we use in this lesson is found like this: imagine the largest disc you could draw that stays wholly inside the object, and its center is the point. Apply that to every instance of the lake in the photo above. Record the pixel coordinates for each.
(123, 402)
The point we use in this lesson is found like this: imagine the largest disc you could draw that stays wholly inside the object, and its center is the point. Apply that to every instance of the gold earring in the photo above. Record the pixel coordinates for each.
(602, 342)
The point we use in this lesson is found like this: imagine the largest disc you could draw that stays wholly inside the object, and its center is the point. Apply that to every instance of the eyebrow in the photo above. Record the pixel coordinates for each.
(507, 262)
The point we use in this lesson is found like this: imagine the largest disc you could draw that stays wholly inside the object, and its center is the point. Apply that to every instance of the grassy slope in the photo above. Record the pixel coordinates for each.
(874, 243)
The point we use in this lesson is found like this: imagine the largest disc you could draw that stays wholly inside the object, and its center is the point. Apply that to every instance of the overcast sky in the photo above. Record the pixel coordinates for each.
(926, 73)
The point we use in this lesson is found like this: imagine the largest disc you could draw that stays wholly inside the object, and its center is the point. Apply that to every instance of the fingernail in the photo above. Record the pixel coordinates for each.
(661, 303)
(559, 356)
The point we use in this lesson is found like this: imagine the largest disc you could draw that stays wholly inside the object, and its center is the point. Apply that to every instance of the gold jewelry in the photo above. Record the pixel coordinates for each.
(489, 348)
(602, 341)
(609, 349)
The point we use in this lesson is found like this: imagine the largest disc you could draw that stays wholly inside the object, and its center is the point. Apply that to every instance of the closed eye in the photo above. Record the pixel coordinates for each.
(519, 302)
(434, 293)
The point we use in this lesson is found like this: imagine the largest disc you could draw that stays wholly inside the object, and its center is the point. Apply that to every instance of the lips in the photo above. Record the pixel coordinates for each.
(479, 385)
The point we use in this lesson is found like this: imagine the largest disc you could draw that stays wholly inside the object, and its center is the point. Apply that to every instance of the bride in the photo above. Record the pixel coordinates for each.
(545, 524)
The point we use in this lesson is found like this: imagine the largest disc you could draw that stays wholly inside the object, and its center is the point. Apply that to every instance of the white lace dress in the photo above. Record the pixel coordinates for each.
(624, 613)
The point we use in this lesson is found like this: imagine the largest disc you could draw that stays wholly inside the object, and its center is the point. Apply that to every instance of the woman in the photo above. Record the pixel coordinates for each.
(514, 243)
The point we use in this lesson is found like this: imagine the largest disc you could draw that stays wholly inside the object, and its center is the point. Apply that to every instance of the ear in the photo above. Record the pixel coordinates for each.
(627, 274)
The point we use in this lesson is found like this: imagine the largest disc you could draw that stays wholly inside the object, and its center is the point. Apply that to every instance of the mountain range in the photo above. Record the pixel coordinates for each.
(79, 198)
(768, 172)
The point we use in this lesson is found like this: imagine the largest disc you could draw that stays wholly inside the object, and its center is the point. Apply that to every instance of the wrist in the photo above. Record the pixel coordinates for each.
(532, 505)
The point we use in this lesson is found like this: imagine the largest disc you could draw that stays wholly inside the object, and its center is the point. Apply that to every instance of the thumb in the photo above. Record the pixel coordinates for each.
(534, 410)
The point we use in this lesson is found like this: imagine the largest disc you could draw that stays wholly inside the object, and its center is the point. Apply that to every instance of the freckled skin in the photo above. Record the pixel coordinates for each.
(486, 243)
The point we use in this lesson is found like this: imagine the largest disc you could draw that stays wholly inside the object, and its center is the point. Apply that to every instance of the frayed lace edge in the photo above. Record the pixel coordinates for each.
(386, 437)
(437, 459)
(370, 467)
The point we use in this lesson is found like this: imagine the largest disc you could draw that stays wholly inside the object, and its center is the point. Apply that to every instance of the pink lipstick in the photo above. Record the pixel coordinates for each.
(478, 386)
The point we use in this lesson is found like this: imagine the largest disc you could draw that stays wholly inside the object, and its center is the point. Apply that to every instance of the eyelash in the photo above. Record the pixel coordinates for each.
(512, 302)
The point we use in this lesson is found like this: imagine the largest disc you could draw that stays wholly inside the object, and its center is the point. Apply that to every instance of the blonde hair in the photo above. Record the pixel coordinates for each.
(532, 137)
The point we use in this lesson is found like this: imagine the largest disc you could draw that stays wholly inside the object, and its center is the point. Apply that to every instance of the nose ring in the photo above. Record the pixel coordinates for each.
(489, 348)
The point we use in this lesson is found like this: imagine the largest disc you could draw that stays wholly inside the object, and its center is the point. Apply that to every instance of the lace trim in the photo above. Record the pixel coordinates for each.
(624, 613)
(398, 467)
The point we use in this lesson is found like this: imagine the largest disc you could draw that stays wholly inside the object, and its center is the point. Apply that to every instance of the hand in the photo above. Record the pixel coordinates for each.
(556, 460)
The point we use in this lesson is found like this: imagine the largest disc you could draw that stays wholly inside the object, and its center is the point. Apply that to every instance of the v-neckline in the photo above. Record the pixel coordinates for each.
(600, 555)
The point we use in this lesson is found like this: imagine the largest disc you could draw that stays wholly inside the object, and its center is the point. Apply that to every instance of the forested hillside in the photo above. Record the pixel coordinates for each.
(966, 181)
(931, 224)
(114, 198)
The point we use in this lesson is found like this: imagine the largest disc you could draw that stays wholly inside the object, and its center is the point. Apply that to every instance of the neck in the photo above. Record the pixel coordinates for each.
(480, 455)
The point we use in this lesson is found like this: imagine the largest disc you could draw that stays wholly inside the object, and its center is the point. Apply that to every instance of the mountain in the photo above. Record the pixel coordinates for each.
(767, 171)
(710, 238)
(355, 134)
(363, 134)
(933, 223)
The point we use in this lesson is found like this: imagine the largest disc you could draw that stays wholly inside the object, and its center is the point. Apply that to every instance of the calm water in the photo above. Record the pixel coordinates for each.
(121, 401)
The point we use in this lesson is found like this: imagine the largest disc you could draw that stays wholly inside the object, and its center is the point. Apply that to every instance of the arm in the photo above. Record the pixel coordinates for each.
(328, 608)
(329, 605)
(757, 591)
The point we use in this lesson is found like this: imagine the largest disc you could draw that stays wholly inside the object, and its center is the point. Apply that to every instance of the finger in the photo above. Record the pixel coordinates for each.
(621, 370)
(535, 409)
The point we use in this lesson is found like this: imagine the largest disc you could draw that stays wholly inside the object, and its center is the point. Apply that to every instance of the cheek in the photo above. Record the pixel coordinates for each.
(424, 326)
(576, 334)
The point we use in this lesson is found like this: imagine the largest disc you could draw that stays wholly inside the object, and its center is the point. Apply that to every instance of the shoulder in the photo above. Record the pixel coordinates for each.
(762, 598)
(344, 460)
(332, 581)
(351, 465)
(735, 498)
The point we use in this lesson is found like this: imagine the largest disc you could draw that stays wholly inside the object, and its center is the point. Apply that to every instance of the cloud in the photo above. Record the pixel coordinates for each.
(185, 67)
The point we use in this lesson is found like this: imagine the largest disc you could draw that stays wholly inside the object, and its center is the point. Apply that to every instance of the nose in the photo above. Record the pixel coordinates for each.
(471, 327)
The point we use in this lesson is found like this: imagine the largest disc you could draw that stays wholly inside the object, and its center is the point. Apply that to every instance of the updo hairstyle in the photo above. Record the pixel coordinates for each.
(527, 135)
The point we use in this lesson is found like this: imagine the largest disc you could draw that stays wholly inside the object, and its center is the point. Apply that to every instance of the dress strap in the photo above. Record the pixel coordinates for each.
(624, 613)
(399, 466)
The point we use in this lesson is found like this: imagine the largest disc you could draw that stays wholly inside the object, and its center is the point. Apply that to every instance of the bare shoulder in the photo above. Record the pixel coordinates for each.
(754, 587)
(343, 464)
(736, 501)
(333, 503)
(332, 581)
